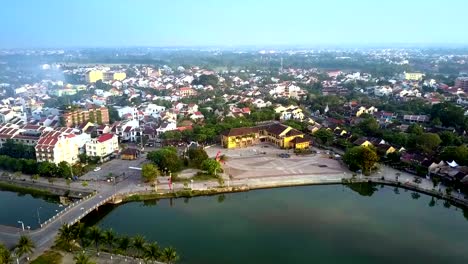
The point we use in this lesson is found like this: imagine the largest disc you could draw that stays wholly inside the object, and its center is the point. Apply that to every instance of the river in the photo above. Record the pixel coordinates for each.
(308, 224)
(29, 209)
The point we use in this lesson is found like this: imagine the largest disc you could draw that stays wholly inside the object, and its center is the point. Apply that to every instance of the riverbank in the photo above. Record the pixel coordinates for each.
(39, 188)
(402, 182)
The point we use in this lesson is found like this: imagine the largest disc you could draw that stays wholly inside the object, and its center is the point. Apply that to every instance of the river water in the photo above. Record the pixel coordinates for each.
(16, 207)
(309, 224)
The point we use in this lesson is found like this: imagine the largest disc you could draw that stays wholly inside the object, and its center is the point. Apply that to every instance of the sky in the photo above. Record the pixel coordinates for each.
(156, 23)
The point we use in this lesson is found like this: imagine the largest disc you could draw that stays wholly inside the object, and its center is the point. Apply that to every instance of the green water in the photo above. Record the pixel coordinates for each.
(30, 209)
(310, 224)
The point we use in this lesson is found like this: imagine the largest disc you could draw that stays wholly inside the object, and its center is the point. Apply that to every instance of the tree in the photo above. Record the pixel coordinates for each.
(206, 80)
(169, 255)
(81, 258)
(95, 235)
(428, 142)
(324, 136)
(24, 246)
(64, 170)
(166, 158)
(415, 129)
(449, 139)
(138, 243)
(449, 114)
(172, 135)
(458, 154)
(369, 126)
(124, 244)
(197, 156)
(47, 169)
(109, 238)
(80, 231)
(149, 172)
(361, 157)
(5, 255)
(152, 252)
(65, 237)
(211, 166)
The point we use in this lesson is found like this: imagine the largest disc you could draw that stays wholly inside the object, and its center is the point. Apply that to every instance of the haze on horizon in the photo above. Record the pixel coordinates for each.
(124, 23)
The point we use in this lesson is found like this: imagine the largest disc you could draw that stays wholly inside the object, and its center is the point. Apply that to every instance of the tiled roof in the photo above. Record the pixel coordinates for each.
(105, 137)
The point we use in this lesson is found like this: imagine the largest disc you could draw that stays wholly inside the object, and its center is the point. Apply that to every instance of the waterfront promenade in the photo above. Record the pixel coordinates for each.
(45, 236)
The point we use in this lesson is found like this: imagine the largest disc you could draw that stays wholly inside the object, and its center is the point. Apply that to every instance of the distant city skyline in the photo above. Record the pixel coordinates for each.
(261, 23)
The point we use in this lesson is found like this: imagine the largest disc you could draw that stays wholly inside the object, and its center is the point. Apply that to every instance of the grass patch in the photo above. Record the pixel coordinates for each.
(27, 190)
(200, 176)
(49, 257)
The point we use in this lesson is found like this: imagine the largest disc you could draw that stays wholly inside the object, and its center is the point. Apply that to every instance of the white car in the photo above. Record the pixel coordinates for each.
(97, 169)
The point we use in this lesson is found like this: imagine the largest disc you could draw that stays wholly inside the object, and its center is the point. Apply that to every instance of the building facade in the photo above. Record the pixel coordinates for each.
(94, 115)
(103, 147)
(55, 147)
(281, 135)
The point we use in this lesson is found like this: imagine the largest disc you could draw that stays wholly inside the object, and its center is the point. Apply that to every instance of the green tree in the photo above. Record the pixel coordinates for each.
(5, 255)
(428, 142)
(25, 246)
(152, 252)
(197, 156)
(47, 169)
(361, 157)
(64, 170)
(458, 154)
(65, 237)
(95, 235)
(124, 244)
(211, 166)
(169, 255)
(324, 136)
(82, 258)
(415, 129)
(138, 243)
(449, 139)
(449, 114)
(369, 126)
(166, 158)
(109, 238)
(149, 172)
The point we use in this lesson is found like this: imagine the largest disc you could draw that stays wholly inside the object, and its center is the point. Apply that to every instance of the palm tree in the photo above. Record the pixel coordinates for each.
(169, 255)
(25, 246)
(5, 255)
(82, 259)
(138, 244)
(124, 244)
(151, 252)
(80, 232)
(95, 235)
(65, 237)
(109, 238)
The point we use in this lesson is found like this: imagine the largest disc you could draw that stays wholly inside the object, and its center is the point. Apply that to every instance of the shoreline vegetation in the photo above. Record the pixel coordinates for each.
(13, 187)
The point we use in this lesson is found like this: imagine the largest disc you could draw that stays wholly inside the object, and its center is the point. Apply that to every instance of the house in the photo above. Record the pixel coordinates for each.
(103, 146)
(166, 126)
(186, 91)
(56, 147)
(416, 118)
(197, 116)
(130, 154)
(363, 141)
(281, 135)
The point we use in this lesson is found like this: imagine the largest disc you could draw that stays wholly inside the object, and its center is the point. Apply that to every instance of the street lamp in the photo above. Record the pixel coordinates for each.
(22, 224)
(38, 216)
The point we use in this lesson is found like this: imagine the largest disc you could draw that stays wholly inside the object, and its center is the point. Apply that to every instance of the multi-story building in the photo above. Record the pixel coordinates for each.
(413, 76)
(93, 115)
(93, 76)
(462, 83)
(103, 146)
(186, 91)
(281, 135)
(55, 147)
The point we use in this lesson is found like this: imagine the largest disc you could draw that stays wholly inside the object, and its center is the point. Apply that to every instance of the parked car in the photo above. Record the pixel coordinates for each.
(284, 155)
(97, 169)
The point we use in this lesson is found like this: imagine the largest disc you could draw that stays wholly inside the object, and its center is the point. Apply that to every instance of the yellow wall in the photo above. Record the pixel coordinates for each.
(120, 76)
(366, 144)
(302, 145)
(413, 76)
(390, 150)
(94, 76)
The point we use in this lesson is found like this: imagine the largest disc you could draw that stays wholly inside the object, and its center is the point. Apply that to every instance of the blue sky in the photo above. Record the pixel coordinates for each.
(89, 23)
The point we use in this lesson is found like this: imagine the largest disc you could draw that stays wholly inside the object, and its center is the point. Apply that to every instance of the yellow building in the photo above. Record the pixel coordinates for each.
(413, 76)
(55, 147)
(96, 75)
(281, 135)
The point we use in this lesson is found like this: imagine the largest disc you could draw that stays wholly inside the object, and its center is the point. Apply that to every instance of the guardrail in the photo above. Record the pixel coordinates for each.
(66, 209)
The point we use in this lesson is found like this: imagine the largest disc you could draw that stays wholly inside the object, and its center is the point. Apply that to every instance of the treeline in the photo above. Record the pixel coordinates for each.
(17, 150)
